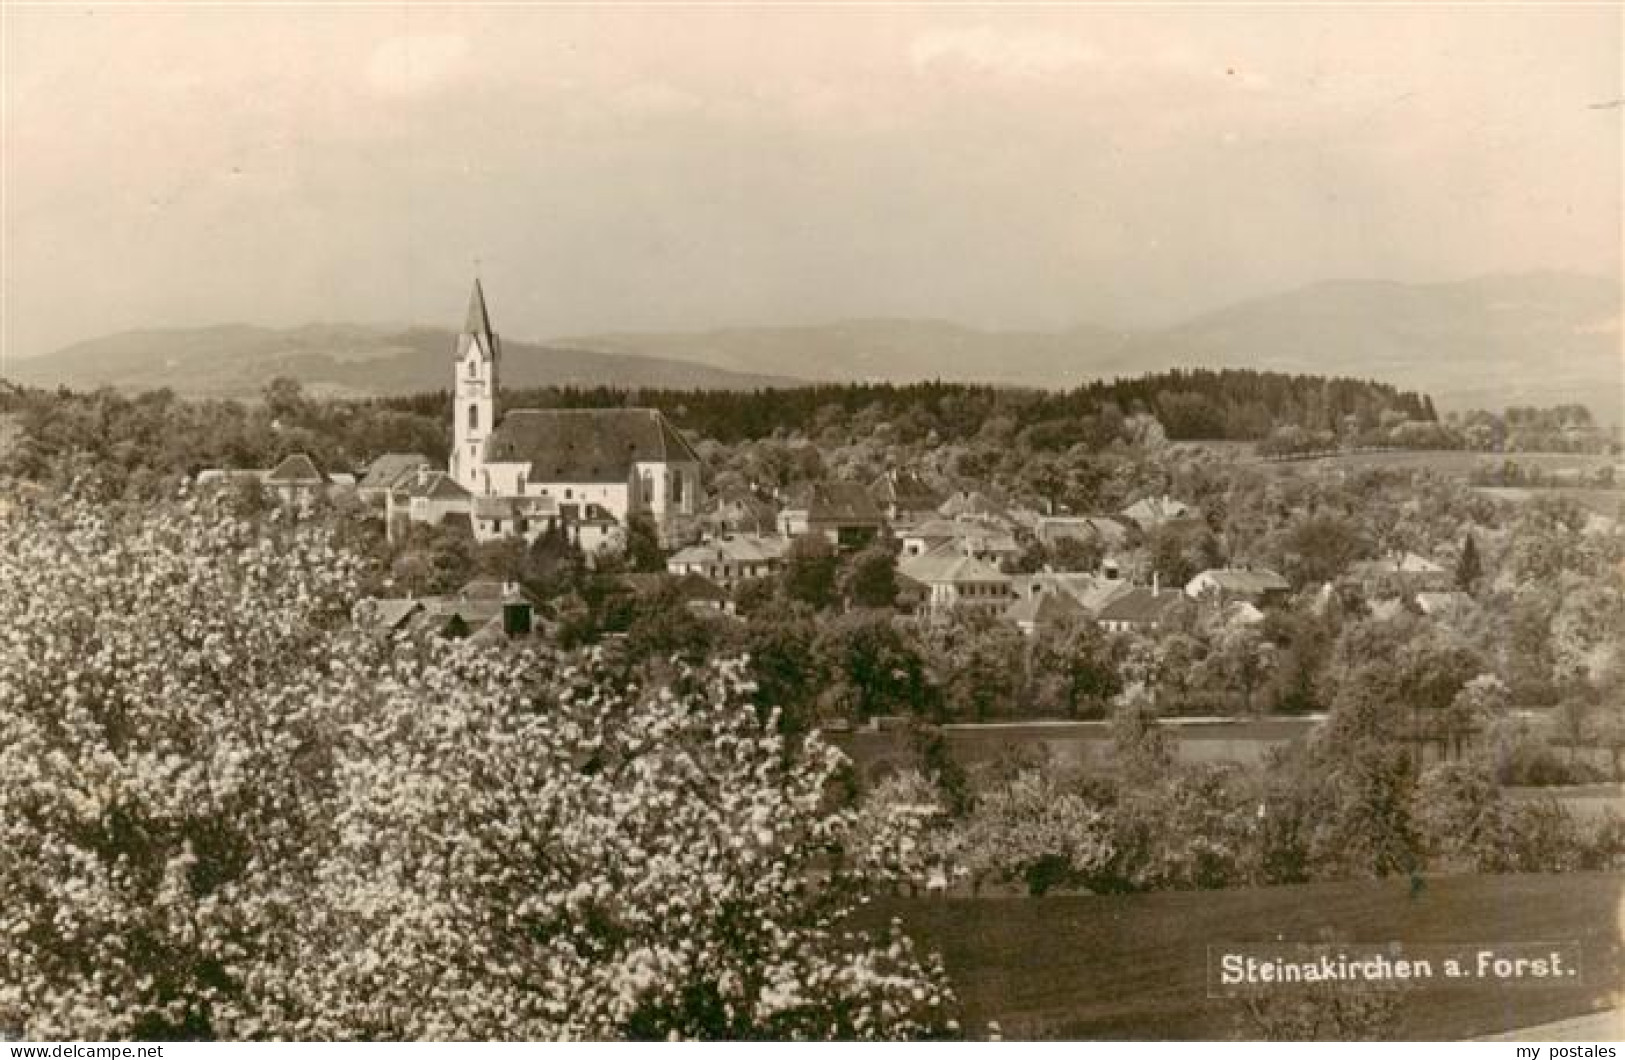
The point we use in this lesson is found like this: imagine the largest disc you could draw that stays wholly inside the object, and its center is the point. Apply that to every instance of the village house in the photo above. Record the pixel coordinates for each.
(1444, 604)
(1139, 609)
(904, 498)
(425, 495)
(1400, 574)
(484, 608)
(1036, 612)
(739, 511)
(731, 559)
(1148, 513)
(1109, 534)
(384, 472)
(990, 544)
(842, 513)
(1222, 585)
(1091, 591)
(975, 505)
(957, 584)
(296, 480)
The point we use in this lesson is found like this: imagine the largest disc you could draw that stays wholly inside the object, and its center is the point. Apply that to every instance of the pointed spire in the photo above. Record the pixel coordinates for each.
(479, 321)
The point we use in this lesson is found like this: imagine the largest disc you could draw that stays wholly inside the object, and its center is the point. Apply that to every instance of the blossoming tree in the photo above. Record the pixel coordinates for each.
(226, 812)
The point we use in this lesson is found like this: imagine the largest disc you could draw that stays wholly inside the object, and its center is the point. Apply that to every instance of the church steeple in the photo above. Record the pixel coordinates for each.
(479, 321)
(477, 328)
(474, 386)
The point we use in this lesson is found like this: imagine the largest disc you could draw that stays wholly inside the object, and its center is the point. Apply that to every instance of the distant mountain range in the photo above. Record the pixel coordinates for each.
(236, 360)
(1539, 339)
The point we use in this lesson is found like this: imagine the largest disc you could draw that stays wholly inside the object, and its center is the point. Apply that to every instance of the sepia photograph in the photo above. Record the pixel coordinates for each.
(908, 522)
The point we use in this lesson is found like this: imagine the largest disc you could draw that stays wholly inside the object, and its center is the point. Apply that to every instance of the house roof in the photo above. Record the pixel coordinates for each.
(1091, 591)
(493, 589)
(295, 470)
(906, 489)
(1433, 603)
(747, 505)
(229, 474)
(474, 613)
(433, 485)
(383, 472)
(1243, 580)
(971, 503)
(1083, 527)
(1397, 563)
(938, 528)
(586, 445)
(841, 502)
(1139, 605)
(1149, 511)
(741, 549)
(1045, 609)
(950, 569)
(390, 612)
(1242, 613)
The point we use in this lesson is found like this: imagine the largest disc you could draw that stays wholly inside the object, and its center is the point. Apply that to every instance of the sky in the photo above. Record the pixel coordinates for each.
(640, 168)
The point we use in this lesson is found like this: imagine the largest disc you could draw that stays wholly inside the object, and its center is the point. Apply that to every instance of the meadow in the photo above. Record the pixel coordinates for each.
(1134, 967)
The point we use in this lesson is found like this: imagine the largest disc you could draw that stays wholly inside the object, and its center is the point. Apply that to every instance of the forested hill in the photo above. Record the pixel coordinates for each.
(1234, 404)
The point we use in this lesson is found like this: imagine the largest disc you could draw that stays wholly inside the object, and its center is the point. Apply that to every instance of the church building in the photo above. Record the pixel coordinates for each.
(588, 470)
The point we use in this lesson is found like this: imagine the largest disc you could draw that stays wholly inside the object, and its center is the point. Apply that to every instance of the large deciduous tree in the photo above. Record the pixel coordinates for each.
(225, 811)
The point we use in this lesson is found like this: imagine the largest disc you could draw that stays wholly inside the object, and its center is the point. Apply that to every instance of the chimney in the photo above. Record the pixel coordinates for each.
(423, 474)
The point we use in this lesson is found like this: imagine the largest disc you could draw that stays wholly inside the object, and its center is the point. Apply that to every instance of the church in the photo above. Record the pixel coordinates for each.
(523, 470)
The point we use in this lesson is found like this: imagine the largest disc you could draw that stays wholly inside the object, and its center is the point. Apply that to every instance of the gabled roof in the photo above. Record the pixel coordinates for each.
(971, 503)
(1045, 609)
(1150, 511)
(586, 445)
(743, 501)
(732, 550)
(433, 485)
(383, 472)
(906, 489)
(943, 529)
(841, 502)
(1083, 527)
(295, 470)
(1244, 580)
(940, 569)
(1397, 564)
(391, 612)
(489, 589)
(1140, 605)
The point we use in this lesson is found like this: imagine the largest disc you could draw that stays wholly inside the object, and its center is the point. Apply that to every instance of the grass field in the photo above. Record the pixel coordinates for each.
(1072, 744)
(1134, 967)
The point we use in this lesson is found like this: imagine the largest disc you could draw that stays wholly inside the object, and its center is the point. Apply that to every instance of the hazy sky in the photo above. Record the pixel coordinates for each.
(633, 168)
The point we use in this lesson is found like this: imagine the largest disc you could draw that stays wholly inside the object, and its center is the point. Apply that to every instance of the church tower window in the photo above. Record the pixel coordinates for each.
(473, 417)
